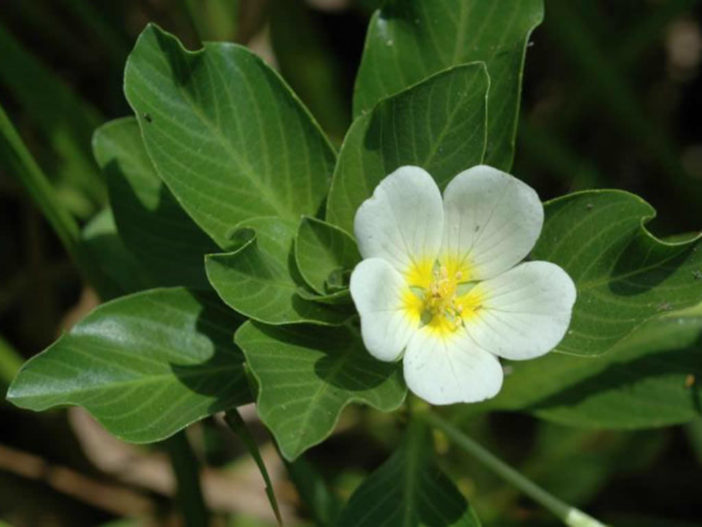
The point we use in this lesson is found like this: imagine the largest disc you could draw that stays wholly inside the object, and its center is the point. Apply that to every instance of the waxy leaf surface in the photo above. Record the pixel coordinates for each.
(649, 379)
(409, 489)
(260, 280)
(623, 274)
(225, 133)
(306, 375)
(145, 365)
(150, 221)
(438, 125)
(409, 40)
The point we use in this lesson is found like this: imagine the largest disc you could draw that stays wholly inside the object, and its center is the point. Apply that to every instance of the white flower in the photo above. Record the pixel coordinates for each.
(440, 287)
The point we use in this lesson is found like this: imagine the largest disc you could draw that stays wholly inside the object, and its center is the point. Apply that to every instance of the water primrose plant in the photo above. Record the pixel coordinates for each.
(256, 262)
(439, 287)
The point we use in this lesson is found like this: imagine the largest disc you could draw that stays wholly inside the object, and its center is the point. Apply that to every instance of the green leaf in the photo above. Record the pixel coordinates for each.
(438, 124)
(145, 365)
(10, 362)
(214, 19)
(150, 221)
(225, 133)
(233, 418)
(259, 279)
(118, 272)
(623, 274)
(343, 296)
(306, 375)
(409, 490)
(409, 40)
(319, 501)
(644, 381)
(323, 253)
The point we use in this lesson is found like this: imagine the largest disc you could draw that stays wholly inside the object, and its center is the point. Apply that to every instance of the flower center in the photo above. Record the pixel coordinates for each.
(440, 297)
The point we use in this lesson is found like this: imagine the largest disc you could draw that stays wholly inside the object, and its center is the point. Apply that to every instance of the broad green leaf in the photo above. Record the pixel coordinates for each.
(409, 40)
(225, 133)
(343, 296)
(119, 272)
(323, 254)
(150, 221)
(306, 375)
(259, 279)
(649, 379)
(624, 275)
(62, 117)
(438, 124)
(145, 365)
(409, 490)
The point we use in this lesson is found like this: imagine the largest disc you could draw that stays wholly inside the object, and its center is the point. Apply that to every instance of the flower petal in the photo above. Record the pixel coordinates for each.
(378, 291)
(402, 222)
(524, 312)
(450, 369)
(491, 221)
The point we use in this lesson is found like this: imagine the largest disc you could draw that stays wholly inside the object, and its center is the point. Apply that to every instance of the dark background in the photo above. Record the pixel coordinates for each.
(612, 99)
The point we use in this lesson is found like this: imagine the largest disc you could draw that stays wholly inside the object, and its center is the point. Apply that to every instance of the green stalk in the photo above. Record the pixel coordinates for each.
(238, 426)
(187, 472)
(29, 174)
(570, 516)
(18, 161)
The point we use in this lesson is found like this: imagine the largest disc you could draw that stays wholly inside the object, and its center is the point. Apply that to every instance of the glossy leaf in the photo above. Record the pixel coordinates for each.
(323, 254)
(623, 274)
(409, 40)
(306, 375)
(409, 490)
(649, 379)
(145, 365)
(260, 281)
(438, 125)
(151, 222)
(225, 133)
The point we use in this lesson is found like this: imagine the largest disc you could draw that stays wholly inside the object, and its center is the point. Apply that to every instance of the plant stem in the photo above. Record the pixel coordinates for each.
(238, 426)
(187, 472)
(569, 515)
(32, 178)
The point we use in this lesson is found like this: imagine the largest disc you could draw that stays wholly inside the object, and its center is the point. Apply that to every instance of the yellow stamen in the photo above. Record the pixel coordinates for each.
(433, 300)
